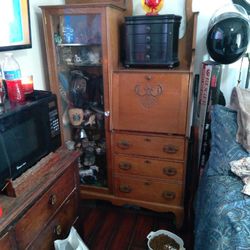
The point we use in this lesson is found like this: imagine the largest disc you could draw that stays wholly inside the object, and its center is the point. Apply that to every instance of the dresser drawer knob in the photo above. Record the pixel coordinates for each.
(52, 200)
(148, 38)
(148, 28)
(147, 162)
(168, 195)
(148, 77)
(147, 57)
(170, 149)
(123, 144)
(125, 165)
(147, 139)
(58, 230)
(125, 189)
(169, 171)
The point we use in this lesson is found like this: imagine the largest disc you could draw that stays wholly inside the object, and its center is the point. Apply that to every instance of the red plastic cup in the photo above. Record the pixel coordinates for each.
(15, 91)
(27, 83)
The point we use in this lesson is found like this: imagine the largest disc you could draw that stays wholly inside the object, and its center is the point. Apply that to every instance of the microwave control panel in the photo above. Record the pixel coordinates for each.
(54, 121)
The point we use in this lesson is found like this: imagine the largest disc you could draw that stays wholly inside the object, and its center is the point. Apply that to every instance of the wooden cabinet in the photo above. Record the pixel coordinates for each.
(132, 125)
(82, 45)
(150, 101)
(150, 120)
(46, 210)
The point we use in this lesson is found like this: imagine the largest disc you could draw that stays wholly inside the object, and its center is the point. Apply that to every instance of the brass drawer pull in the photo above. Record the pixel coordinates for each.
(170, 149)
(148, 77)
(147, 162)
(168, 195)
(169, 171)
(124, 144)
(52, 200)
(147, 139)
(125, 165)
(125, 189)
(58, 230)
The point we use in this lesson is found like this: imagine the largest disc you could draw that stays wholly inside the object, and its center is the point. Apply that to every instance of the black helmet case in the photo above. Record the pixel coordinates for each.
(228, 34)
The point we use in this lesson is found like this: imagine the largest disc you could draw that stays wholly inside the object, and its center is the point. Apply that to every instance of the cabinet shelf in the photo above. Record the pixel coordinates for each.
(83, 65)
(78, 44)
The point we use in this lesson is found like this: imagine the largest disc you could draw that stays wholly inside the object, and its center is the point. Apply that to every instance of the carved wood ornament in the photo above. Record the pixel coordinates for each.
(148, 94)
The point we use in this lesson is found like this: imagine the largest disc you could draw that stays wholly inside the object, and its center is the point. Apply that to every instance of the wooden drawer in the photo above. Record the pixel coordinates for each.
(59, 227)
(148, 190)
(148, 167)
(155, 146)
(150, 102)
(30, 225)
(7, 241)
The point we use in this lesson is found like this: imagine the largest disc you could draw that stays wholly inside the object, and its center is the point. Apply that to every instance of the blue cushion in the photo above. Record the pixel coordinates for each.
(224, 147)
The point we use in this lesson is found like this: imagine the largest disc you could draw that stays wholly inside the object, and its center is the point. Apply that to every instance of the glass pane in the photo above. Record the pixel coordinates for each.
(78, 45)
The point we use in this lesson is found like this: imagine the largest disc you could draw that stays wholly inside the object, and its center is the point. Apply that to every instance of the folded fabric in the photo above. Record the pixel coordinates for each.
(242, 169)
(240, 101)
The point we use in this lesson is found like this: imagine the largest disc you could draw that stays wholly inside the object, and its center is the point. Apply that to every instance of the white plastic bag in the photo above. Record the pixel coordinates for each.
(72, 242)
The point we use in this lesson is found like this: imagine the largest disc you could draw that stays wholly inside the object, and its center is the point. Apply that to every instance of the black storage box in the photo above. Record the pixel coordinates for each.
(151, 41)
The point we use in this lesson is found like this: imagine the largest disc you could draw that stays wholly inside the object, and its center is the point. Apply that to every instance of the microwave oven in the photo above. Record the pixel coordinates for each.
(27, 133)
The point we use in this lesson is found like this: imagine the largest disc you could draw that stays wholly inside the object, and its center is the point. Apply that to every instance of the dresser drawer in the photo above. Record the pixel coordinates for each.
(148, 167)
(30, 225)
(149, 190)
(154, 146)
(7, 241)
(59, 226)
(150, 102)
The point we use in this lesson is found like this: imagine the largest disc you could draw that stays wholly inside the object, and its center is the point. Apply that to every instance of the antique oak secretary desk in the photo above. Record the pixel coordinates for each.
(134, 149)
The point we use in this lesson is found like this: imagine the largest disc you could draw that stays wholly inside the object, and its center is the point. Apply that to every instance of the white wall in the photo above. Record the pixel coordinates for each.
(32, 61)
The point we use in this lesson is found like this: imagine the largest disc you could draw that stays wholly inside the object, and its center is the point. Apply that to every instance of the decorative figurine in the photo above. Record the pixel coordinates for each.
(76, 116)
(152, 7)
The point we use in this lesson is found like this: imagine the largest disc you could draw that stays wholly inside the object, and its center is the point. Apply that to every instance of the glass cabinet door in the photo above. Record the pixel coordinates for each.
(78, 48)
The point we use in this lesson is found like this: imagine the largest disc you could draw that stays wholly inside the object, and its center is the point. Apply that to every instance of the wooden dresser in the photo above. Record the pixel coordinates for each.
(150, 114)
(46, 210)
(136, 127)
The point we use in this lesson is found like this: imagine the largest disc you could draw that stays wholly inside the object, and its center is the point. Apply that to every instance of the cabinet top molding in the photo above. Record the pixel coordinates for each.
(125, 4)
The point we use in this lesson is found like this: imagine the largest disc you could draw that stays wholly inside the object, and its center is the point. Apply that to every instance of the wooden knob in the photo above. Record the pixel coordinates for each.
(125, 165)
(125, 189)
(169, 171)
(147, 183)
(52, 200)
(148, 77)
(123, 144)
(170, 149)
(168, 195)
(58, 230)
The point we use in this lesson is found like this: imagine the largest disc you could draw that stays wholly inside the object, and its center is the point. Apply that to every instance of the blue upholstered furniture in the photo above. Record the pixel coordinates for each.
(222, 212)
